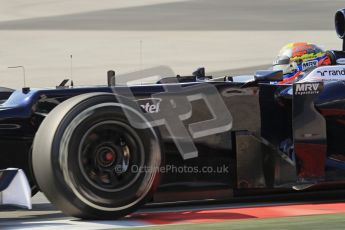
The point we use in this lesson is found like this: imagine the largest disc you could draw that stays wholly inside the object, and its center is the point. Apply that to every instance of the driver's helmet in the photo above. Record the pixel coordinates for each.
(295, 58)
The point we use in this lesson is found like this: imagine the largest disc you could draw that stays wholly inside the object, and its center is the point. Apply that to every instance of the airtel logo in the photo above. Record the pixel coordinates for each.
(150, 105)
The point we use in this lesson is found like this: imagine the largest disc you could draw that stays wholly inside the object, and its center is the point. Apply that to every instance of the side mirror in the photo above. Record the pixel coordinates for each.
(268, 75)
(339, 21)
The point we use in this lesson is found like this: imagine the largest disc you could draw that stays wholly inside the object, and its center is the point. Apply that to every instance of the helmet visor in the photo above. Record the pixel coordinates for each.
(281, 60)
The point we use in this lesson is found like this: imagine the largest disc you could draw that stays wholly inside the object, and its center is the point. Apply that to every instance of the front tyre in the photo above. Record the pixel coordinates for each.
(91, 163)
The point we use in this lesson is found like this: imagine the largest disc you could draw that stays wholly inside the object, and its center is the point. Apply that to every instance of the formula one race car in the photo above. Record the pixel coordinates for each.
(102, 152)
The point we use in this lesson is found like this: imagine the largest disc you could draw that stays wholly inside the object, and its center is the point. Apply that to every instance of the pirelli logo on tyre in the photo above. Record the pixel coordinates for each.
(307, 88)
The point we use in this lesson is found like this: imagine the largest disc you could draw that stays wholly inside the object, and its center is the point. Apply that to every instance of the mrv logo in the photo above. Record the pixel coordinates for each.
(150, 105)
(307, 88)
(309, 64)
(336, 72)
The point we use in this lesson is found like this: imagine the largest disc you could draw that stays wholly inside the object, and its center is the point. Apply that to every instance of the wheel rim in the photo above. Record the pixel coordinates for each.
(83, 192)
(107, 154)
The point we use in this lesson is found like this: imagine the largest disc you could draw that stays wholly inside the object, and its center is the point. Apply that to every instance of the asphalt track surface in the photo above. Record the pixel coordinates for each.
(45, 216)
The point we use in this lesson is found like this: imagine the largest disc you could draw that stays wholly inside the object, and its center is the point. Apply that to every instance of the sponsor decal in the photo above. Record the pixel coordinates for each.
(308, 64)
(307, 88)
(150, 105)
(336, 72)
(341, 61)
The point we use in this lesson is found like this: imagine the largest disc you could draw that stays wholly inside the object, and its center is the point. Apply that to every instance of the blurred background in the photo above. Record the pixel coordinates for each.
(224, 36)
